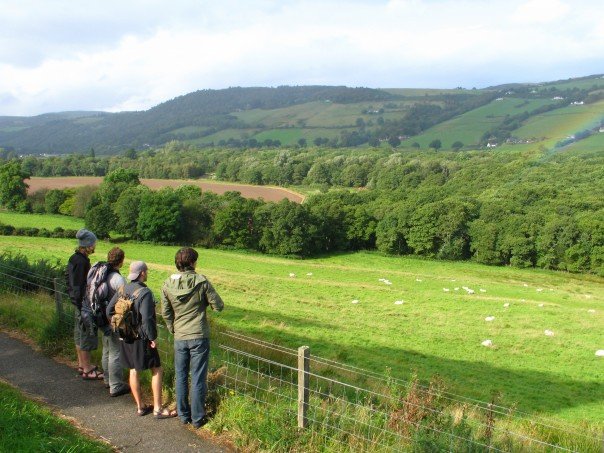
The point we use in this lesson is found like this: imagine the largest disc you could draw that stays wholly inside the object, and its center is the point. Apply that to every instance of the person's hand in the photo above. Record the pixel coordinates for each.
(152, 344)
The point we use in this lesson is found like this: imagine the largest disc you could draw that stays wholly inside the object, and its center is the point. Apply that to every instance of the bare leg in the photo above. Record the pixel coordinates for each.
(85, 361)
(135, 387)
(156, 380)
(79, 353)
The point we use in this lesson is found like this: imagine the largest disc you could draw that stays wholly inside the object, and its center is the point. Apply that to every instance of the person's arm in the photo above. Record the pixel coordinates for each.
(212, 297)
(77, 282)
(147, 314)
(167, 311)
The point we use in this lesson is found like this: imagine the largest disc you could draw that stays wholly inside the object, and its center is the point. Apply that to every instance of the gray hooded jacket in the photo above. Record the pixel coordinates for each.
(185, 297)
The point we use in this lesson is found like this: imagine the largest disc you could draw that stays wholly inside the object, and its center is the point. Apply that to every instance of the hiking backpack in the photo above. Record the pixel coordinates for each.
(125, 320)
(94, 303)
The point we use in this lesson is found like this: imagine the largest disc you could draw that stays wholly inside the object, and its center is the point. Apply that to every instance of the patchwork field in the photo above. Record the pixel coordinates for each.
(248, 191)
(437, 329)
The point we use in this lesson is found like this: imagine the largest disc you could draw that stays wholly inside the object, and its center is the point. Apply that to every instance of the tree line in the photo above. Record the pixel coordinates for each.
(527, 209)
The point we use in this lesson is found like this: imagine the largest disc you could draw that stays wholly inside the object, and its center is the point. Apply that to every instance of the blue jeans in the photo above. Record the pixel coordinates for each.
(191, 355)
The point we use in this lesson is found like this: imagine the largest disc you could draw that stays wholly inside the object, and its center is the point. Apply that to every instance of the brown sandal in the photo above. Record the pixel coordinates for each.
(164, 413)
(92, 375)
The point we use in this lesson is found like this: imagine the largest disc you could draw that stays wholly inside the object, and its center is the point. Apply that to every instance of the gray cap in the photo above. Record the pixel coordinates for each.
(85, 238)
(136, 267)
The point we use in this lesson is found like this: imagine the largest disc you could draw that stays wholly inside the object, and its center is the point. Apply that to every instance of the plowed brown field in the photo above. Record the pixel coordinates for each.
(248, 191)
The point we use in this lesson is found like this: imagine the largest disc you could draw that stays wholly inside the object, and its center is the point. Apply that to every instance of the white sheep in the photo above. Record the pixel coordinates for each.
(470, 291)
(541, 305)
(591, 310)
(309, 274)
(539, 290)
(489, 318)
(418, 279)
(456, 288)
(355, 301)
(292, 275)
(487, 343)
(549, 333)
(600, 352)
(399, 302)
(483, 290)
(525, 285)
(506, 305)
(446, 290)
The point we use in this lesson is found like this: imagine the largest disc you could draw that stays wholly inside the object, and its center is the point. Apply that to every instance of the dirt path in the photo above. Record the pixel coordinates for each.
(249, 191)
(112, 419)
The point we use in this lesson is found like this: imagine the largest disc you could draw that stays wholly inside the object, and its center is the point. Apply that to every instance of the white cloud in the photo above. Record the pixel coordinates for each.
(141, 56)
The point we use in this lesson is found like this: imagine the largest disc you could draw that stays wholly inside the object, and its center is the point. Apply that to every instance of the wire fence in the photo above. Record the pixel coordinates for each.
(338, 407)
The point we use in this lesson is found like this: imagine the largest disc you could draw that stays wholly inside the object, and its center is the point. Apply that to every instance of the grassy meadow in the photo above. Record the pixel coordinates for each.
(48, 221)
(436, 330)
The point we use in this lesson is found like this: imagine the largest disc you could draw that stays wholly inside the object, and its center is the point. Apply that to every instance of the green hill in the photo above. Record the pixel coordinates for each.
(338, 116)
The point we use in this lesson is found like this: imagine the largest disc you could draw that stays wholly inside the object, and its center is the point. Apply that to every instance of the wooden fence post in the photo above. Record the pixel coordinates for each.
(58, 300)
(303, 386)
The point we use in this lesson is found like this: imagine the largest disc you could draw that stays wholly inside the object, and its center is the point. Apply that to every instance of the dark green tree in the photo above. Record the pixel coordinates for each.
(435, 144)
(13, 189)
(160, 216)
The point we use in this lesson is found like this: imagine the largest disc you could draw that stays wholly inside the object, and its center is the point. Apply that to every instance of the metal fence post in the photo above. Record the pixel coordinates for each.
(58, 300)
(303, 378)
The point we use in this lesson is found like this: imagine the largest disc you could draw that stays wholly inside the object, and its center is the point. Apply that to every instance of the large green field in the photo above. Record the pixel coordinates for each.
(469, 127)
(50, 222)
(438, 329)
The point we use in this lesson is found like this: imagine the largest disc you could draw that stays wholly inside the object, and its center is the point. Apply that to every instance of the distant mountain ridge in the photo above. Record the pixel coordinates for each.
(288, 115)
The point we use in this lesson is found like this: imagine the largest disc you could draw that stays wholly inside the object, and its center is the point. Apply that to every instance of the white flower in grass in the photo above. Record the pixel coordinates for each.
(487, 343)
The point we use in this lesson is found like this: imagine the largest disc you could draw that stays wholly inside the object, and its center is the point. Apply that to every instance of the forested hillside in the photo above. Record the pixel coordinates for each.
(322, 115)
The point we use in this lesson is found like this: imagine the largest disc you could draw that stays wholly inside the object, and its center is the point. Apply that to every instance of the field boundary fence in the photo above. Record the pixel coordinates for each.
(338, 406)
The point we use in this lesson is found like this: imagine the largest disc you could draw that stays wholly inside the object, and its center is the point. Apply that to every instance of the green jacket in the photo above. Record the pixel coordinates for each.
(185, 297)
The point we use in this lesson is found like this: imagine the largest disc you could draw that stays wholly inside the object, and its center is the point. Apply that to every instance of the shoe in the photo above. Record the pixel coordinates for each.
(107, 386)
(144, 411)
(164, 413)
(123, 391)
(93, 375)
(203, 422)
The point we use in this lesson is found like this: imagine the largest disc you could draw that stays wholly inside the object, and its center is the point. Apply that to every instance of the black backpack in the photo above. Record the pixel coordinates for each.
(95, 301)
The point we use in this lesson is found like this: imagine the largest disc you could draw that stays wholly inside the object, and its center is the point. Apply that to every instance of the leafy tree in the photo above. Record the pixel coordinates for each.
(457, 145)
(126, 209)
(160, 215)
(82, 198)
(302, 142)
(100, 220)
(54, 199)
(115, 183)
(234, 223)
(13, 189)
(435, 144)
(394, 141)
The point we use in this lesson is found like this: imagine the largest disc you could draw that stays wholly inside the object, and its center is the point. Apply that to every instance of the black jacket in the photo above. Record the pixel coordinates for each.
(76, 276)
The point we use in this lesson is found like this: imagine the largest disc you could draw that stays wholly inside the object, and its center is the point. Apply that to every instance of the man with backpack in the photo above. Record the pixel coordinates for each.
(132, 314)
(185, 297)
(85, 333)
(111, 341)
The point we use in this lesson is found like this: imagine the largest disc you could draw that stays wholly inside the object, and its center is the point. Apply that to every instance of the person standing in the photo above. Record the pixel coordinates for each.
(141, 354)
(85, 333)
(111, 340)
(185, 297)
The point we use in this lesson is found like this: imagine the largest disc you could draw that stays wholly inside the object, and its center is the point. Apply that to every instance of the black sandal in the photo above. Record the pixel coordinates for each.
(145, 410)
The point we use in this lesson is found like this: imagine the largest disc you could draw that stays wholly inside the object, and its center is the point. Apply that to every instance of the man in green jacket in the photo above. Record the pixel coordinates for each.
(185, 297)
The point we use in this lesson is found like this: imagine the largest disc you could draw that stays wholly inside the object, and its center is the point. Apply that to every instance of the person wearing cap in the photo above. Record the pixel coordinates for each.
(85, 334)
(142, 353)
(185, 297)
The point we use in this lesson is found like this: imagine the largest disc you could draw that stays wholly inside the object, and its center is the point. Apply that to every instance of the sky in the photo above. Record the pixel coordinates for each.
(116, 55)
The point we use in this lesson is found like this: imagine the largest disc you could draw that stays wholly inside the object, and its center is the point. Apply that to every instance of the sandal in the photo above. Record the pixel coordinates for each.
(164, 413)
(80, 371)
(92, 375)
(144, 411)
